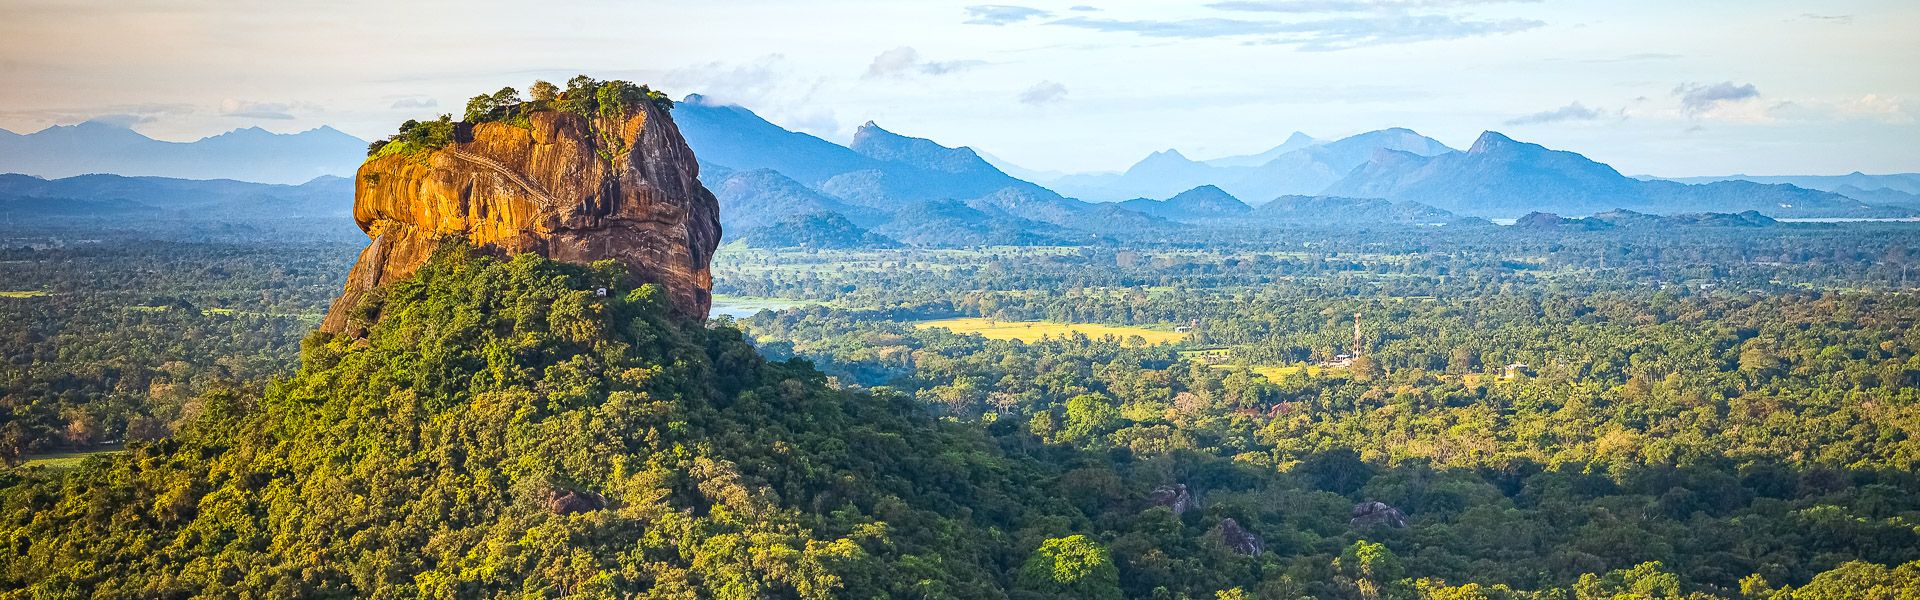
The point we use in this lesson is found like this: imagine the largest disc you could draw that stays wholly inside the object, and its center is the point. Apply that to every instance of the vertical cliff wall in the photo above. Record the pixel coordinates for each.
(570, 187)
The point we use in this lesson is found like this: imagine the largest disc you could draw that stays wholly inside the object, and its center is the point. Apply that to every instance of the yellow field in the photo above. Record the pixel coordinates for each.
(22, 294)
(1031, 331)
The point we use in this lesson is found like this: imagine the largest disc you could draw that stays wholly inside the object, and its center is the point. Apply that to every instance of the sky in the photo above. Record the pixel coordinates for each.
(1703, 87)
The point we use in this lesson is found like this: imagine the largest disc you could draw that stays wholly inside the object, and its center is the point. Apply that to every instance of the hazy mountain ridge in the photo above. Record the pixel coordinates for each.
(911, 189)
(761, 197)
(250, 154)
(1294, 142)
(1334, 210)
(1901, 182)
(764, 173)
(1499, 177)
(187, 199)
(1631, 219)
(821, 230)
(1206, 201)
(1304, 167)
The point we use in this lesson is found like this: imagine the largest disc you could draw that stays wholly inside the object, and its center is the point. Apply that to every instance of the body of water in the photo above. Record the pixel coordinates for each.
(741, 308)
(1853, 220)
(1805, 220)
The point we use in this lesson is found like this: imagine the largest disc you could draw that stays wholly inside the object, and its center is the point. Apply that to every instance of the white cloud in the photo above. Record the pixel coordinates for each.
(905, 61)
(1337, 33)
(1835, 19)
(1043, 93)
(256, 110)
(1724, 101)
(768, 85)
(1333, 6)
(1875, 107)
(1571, 112)
(1000, 14)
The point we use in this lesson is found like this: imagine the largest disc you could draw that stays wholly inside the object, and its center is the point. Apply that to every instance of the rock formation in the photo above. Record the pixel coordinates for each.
(1175, 497)
(570, 187)
(1240, 540)
(1372, 513)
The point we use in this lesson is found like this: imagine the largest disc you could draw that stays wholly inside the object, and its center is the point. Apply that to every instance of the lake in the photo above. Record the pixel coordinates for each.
(741, 307)
(1853, 220)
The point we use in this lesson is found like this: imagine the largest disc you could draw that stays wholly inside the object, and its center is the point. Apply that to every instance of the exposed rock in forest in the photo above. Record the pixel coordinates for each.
(1240, 540)
(621, 184)
(566, 502)
(1173, 496)
(1372, 513)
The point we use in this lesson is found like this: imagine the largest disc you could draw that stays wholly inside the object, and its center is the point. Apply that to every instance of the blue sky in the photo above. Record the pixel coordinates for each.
(1656, 87)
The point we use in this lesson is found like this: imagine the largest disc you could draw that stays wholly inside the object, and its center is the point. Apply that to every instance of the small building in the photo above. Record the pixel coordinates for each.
(1515, 370)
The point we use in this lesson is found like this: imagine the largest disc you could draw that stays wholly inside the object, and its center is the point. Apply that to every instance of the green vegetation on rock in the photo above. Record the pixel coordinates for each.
(584, 96)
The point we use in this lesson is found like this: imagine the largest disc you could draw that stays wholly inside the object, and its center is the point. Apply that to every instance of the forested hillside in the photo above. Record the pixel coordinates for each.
(505, 429)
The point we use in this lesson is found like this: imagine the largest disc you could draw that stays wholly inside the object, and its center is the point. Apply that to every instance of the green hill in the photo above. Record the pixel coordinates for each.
(505, 430)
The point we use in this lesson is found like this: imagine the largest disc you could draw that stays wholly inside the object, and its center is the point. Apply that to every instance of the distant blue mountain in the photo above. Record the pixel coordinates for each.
(1893, 189)
(210, 200)
(1335, 210)
(911, 189)
(1900, 182)
(250, 154)
(1305, 168)
(1501, 177)
(920, 169)
(1885, 196)
(827, 230)
(736, 138)
(1630, 219)
(763, 197)
(1297, 141)
(1204, 202)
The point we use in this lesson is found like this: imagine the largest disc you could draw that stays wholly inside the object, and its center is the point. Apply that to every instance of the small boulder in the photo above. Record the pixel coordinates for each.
(1371, 513)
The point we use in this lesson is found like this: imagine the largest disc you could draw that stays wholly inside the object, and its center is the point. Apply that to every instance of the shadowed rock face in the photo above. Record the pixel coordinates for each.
(570, 188)
(1373, 513)
(1240, 540)
(1174, 497)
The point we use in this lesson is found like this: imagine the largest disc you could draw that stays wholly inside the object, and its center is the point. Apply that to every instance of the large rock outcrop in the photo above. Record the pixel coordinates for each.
(569, 187)
(1239, 540)
(1375, 514)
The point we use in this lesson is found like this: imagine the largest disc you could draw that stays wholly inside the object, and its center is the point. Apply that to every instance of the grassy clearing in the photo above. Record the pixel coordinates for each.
(60, 461)
(1032, 331)
(24, 294)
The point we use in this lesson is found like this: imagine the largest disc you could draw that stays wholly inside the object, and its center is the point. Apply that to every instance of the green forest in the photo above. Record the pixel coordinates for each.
(1709, 414)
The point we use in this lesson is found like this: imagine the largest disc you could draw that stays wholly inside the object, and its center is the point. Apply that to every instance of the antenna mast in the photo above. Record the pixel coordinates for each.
(1356, 335)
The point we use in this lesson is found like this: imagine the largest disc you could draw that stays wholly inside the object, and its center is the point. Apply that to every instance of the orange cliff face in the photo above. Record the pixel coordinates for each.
(569, 187)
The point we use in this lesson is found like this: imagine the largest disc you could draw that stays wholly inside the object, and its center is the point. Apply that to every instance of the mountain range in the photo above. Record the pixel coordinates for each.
(1499, 176)
(1630, 219)
(250, 154)
(909, 189)
(1894, 189)
(917, 191)
(1302, 165)
(140, 198)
